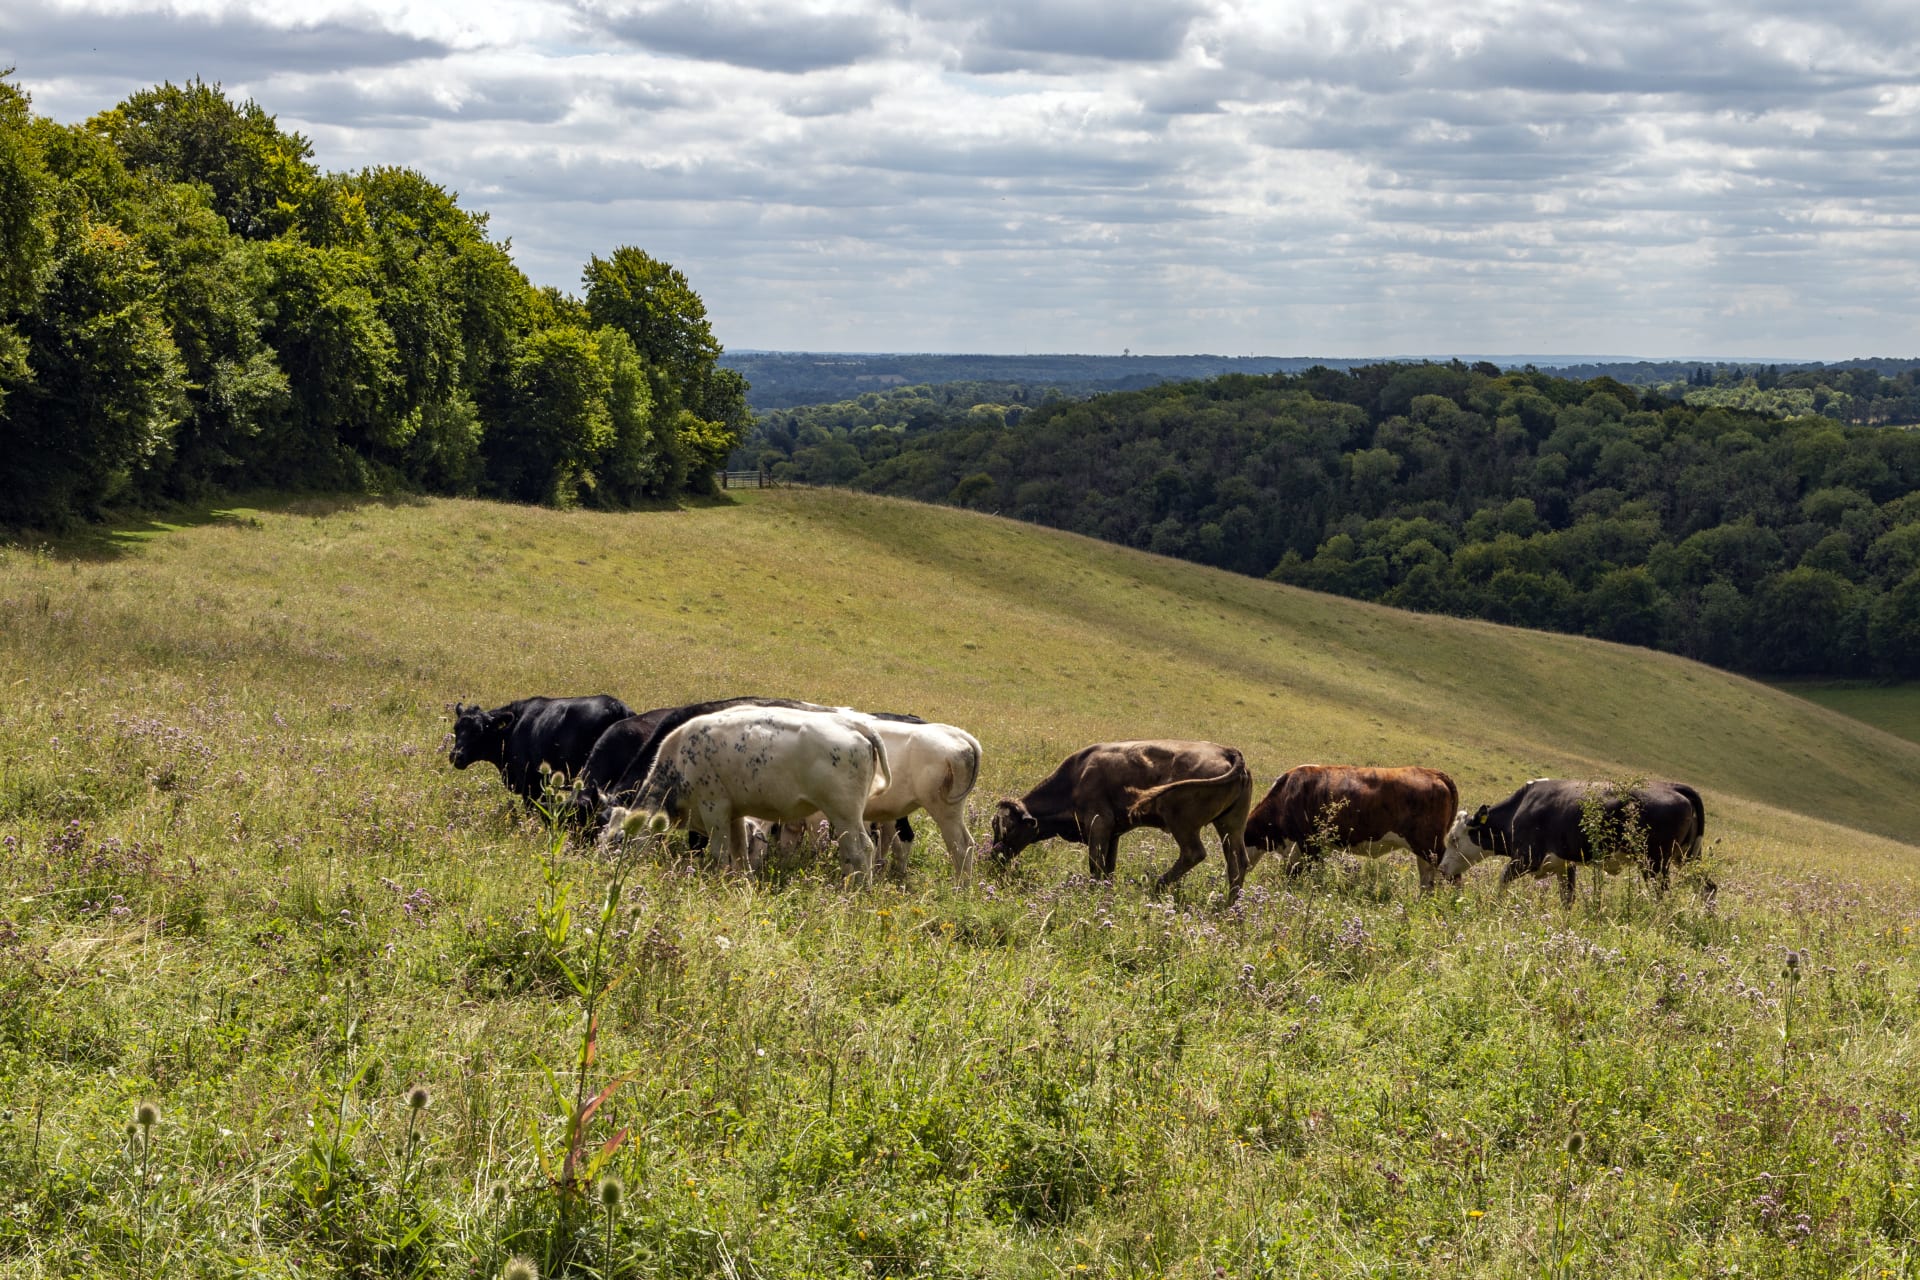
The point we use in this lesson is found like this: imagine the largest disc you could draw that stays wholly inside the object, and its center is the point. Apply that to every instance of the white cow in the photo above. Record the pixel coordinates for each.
(934, 768)
(776, 763)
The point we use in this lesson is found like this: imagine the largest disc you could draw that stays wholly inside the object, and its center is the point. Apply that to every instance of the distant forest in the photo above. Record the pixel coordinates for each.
(786, 379)
(188, 305)
(1862, 391)
(1768, 544)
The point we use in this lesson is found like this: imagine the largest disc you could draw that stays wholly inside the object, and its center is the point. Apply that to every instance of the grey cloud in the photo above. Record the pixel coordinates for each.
(145, 47)
(411, 104)
(1056, 37)
(837, 100)
(733, 32)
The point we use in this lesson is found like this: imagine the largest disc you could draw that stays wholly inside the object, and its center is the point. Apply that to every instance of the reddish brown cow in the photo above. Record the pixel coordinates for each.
(1365, 811)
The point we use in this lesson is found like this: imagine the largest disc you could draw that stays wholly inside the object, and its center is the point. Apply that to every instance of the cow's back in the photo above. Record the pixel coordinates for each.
(1357, 803)
(773, 762)
(1553, 816)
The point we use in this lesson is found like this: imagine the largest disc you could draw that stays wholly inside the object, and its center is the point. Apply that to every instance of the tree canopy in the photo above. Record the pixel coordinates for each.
(188, 303)
(1779, 545)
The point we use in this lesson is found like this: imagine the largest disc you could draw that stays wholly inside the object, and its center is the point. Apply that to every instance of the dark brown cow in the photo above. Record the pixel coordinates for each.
(1101, 792)
(1365, 811)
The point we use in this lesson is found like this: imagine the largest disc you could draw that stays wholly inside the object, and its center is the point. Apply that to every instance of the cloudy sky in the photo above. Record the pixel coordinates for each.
(1334, 177)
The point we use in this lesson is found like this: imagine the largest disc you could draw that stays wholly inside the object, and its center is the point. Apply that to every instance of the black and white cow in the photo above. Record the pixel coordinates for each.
(782, 764)
(523, 735)
(1555, 825)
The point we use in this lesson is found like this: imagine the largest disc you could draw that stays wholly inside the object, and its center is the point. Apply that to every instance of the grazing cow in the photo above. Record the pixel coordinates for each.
(934, 767)
(621, 758)
(1552, 824)
(1365, 811)
(786, 844)
(619, 761)
(782, 764)
(1100, 792)
(521, 736)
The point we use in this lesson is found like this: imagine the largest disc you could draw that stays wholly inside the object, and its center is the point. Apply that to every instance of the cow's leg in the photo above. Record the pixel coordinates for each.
(1191, 854)
(1428, 869)
(1101, 854)
(1233, 848)
(742, 852)
(953, 830)
(1566, 885)
(856, 853)
(726, 835)
(899, 851)
(1515, 869)
(881, 833)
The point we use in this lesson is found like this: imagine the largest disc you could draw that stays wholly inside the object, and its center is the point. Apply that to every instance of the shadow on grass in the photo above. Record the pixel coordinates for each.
(122, 533)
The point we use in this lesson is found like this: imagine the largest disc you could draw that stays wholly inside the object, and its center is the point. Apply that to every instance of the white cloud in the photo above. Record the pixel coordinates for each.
(1324, 176)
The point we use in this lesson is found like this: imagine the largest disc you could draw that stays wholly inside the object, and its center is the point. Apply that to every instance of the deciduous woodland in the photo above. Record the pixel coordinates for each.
(1752, 541)
(187, 303)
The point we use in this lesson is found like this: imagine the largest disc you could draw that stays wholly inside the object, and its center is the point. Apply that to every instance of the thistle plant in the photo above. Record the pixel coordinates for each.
(608, 1193)
(145, 1116)
(418, 1100)
(569, 1167)
(1563, 1262)
(1791, 974)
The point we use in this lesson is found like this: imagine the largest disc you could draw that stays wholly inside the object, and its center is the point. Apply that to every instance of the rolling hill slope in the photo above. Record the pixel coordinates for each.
(1037, 640)
(238, 879)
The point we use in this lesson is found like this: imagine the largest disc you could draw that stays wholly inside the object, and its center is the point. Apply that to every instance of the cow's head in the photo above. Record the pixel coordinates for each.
(479, 734)
(662, 802)
(1014, 828)
(1468, 841)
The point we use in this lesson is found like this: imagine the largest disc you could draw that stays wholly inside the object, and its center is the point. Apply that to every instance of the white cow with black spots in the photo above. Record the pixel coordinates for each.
(777, 763)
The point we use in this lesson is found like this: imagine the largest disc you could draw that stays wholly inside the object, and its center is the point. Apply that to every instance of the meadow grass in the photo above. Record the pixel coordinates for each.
(1893, 707)
(242, 885)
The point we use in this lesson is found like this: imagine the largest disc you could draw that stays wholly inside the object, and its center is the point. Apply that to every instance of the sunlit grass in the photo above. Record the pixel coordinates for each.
(230, 835)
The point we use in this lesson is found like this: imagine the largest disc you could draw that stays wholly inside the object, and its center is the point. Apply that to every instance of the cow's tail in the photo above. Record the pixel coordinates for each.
(882, 771)
(960, 782)
(1237, 774)
(1699, 819)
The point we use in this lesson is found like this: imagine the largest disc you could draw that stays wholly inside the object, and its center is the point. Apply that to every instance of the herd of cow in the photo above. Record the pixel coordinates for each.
(749, 774)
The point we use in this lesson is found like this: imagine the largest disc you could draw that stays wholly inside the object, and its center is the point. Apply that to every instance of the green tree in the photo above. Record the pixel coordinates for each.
(26, 233)
(106, 387)
(1799, 620)
(652, 303)
(256, 174)
(557, 423)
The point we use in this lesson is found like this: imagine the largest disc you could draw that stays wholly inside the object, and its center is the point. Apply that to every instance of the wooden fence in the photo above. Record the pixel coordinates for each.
(747, 480)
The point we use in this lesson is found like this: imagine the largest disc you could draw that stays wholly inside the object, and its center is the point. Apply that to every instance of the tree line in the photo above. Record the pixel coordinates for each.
(189, 305)
(1759, 543)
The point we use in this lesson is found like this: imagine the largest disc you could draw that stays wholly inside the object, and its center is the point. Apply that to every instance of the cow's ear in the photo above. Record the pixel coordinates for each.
(1480, 818)
(503, 720)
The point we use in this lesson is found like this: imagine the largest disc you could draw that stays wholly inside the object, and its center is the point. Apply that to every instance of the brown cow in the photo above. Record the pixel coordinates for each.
(1366, 811)
(1103, 791)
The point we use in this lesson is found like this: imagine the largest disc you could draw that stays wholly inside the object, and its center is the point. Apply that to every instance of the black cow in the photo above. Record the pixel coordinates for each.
(619, 761)
(1552, 824)
(521, 736)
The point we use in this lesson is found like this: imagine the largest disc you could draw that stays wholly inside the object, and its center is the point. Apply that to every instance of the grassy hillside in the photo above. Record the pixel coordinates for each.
(240, 880)
(1895, 708)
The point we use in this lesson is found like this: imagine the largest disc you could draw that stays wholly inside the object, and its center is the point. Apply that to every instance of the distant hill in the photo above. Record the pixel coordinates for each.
(784, 379)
